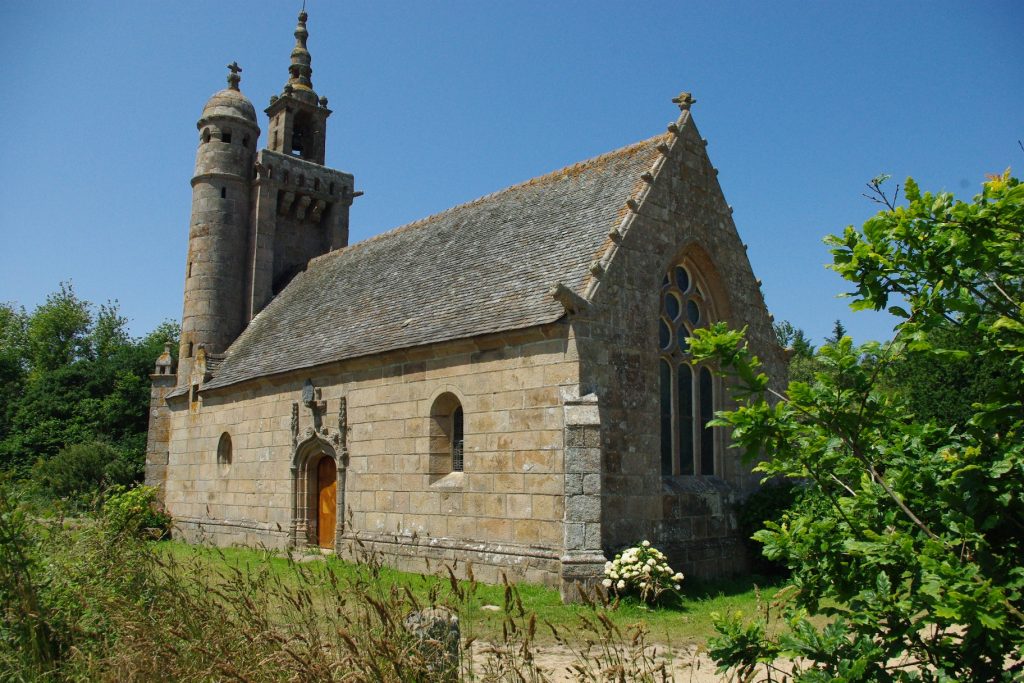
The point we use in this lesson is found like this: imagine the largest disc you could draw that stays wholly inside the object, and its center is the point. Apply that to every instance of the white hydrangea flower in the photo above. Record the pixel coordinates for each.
(607, 583)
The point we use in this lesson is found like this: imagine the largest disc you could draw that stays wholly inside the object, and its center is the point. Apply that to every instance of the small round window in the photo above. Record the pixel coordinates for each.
(224, 453)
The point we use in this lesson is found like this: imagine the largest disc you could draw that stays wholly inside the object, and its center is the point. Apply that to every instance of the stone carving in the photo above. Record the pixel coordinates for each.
(317, 407)
(286, 201)
(570, 300)
(300, 208)
(343, 425)
(295, 424)
(317, 211)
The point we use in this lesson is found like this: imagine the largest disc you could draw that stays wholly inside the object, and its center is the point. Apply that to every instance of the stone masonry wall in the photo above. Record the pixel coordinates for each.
(503, 513)
(683, 214)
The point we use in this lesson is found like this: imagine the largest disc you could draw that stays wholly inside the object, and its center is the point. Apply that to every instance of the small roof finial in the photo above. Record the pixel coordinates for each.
(233, 78)
(684, 100)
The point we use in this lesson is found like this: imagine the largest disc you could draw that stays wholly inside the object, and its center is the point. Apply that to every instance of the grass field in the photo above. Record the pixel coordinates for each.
(679, 621)
(88, 600)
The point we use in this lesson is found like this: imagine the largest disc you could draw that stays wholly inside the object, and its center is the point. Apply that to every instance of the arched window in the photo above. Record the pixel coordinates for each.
(224, 453)
(225, 136)
(302, 135)
(687, 394)
(446, 436)
(206, 135)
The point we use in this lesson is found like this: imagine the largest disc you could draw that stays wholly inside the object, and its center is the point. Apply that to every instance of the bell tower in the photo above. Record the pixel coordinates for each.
(298, 118)
(300, 206)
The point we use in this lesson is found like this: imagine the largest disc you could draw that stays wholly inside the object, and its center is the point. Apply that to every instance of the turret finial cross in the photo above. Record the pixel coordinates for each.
(233, 77)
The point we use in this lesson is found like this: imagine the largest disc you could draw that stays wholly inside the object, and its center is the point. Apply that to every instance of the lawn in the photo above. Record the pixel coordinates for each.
(679, 621)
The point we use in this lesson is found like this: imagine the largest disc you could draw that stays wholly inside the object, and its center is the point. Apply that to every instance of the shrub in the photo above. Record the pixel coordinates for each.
(132, 510)
(641, 570)
(83, 472)
(28, 642)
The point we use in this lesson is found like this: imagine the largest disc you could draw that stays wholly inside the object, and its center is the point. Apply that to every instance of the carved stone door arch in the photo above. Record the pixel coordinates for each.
(307, 470)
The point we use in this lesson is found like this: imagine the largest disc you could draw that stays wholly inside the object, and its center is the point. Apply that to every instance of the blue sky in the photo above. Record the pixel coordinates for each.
(436, 103)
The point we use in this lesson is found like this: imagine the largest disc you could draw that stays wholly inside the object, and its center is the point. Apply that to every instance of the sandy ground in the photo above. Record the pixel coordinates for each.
(555, 663)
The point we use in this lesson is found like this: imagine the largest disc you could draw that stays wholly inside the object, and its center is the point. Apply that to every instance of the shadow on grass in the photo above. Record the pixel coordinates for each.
(698, 589)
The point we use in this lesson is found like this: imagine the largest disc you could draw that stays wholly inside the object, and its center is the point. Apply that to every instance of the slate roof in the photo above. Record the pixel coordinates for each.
(482, 267)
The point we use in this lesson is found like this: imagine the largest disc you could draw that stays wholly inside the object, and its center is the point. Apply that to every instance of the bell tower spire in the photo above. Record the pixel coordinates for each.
(298, 118)
(300, 72)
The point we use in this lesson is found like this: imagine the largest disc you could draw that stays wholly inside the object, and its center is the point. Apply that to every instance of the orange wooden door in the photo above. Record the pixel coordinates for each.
(327, 487)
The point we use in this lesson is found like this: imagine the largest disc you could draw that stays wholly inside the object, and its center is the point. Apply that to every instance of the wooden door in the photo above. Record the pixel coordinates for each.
(327, 495)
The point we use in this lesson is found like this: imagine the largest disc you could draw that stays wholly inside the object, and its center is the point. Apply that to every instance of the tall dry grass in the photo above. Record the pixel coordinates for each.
(98, 603)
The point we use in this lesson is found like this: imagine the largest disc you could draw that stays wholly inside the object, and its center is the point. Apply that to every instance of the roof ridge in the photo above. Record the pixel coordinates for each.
(574, 168)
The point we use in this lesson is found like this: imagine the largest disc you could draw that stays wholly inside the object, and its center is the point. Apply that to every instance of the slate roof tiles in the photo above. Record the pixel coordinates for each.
(482, 267)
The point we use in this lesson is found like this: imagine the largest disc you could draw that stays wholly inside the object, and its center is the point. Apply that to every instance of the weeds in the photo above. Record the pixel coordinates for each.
(89, 602)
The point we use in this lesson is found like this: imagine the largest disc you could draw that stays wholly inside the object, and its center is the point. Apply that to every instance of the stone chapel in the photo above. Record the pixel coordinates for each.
(506, 383)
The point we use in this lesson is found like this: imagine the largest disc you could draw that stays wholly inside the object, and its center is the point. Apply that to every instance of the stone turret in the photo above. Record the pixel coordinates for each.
(159, 434)
(215, 273)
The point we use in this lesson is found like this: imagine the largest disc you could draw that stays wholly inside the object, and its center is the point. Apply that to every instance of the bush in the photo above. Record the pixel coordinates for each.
(132, 510)
(83, 472)
(28, 642)
(908, 545)
(641, 570)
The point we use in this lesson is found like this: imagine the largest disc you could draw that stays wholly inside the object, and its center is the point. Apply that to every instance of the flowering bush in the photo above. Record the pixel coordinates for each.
(135, 509)
(642, 570)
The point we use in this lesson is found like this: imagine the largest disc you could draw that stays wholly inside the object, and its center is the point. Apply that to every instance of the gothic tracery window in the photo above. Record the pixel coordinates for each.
(687, 396)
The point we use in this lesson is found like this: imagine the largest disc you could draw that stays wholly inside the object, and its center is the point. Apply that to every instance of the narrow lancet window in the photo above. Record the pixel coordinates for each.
(457, 440)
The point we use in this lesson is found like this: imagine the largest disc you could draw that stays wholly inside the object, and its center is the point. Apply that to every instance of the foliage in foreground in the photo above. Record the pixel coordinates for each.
(98, 603)
(910, 532)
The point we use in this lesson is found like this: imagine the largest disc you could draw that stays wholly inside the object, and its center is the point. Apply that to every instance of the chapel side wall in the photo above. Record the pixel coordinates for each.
(504, 513)
(691, 518)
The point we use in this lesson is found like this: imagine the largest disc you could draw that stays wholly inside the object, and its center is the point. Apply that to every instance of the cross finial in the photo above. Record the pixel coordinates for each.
(684, 100)
(233, 77)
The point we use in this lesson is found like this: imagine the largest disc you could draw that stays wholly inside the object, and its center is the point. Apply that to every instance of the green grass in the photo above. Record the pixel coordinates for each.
(681, 621)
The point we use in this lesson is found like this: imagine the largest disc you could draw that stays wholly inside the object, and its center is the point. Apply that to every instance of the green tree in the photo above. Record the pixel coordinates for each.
(910, 532)
(942, 388)
(58, 331)
(72, 375)
(13, 360)
(802, 364)
(790, 337)
(838, 332)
